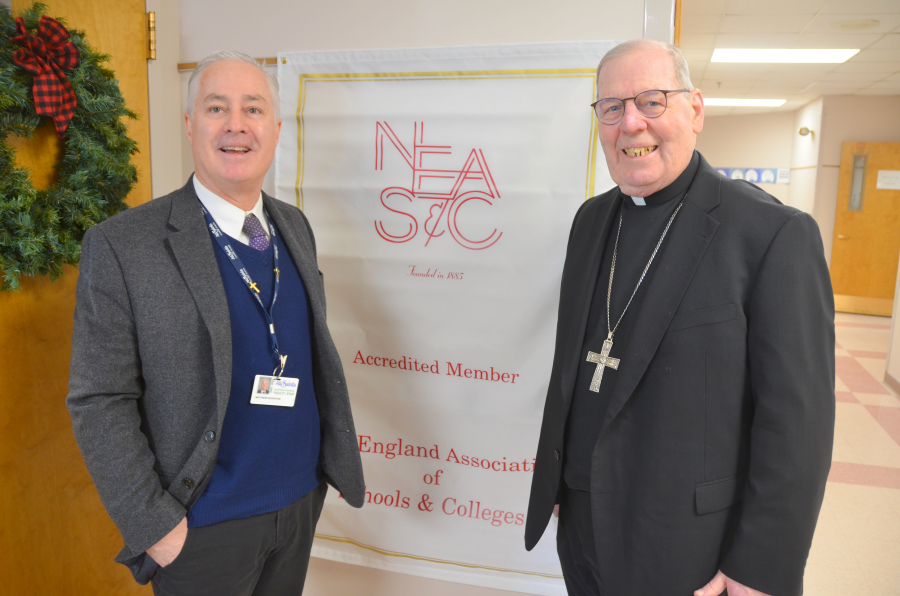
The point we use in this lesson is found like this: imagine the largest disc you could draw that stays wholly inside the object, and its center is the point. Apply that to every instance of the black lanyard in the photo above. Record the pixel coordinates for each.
(238, 265)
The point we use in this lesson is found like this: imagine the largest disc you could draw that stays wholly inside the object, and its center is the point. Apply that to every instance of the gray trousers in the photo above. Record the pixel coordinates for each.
(263, 555)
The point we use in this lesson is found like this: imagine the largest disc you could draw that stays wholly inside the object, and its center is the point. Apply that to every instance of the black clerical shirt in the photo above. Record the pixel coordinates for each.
(642, 227)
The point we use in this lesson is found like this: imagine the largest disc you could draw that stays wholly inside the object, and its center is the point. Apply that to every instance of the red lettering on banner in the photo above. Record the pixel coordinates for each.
(474, 510)
(411, 364)
(392, 450)
(481, 375)
(388, 499)
(497, 465)
(452, 189)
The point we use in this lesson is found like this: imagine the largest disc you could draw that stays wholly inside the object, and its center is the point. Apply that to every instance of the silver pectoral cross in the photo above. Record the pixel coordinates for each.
(602, 360)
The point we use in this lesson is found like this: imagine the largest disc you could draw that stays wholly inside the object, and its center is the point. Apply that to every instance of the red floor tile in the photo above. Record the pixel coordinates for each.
(888, 418)
(845, 397)
(866, 354)
(847, 473)
(856, 378)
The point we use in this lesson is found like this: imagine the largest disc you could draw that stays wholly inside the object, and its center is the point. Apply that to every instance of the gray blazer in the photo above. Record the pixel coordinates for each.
(151, 364)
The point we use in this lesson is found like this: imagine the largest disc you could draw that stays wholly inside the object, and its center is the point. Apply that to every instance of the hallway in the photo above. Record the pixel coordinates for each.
(856, 549)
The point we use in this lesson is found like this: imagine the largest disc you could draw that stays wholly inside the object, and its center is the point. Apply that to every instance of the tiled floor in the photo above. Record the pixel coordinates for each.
(856, 549)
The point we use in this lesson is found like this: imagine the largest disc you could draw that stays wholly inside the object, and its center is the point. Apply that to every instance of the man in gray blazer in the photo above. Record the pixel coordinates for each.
(182, 305)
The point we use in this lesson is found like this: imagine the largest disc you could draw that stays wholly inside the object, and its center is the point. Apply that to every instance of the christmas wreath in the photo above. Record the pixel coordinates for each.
(47, 71)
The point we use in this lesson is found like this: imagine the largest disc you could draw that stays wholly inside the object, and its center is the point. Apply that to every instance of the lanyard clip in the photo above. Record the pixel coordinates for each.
(283, 361)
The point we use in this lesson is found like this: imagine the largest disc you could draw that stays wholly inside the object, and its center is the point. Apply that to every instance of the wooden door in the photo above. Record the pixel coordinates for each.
(866, 246)
(55, 537)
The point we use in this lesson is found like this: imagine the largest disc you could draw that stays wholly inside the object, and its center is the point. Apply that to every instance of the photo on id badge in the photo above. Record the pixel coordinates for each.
(274, 391)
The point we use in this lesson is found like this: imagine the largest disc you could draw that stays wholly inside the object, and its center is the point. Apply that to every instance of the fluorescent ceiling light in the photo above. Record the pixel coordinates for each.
(783, 56)
(758, 103)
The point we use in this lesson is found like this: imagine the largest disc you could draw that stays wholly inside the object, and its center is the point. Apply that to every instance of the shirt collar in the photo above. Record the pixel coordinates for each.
(676, 189)
(229, 217)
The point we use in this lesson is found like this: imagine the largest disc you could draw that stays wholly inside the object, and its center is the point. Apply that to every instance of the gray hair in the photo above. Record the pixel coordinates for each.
(679, 62)
(194, 82)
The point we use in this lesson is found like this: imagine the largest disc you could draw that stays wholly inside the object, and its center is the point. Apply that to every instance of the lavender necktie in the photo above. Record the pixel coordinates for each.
(254, 230)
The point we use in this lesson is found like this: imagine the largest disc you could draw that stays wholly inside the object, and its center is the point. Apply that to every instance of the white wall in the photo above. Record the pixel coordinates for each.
(265, 27)
(164, 85)
(271, 26)
(805, 159)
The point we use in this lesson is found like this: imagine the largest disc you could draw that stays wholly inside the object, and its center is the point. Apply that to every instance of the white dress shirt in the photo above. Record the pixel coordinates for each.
(229, 217)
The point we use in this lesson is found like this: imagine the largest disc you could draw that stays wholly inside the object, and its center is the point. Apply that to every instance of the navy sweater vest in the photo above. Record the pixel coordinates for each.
(268, 455)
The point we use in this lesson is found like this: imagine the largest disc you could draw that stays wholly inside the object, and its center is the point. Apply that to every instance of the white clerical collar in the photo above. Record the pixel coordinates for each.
(639, 201)
(228, 216)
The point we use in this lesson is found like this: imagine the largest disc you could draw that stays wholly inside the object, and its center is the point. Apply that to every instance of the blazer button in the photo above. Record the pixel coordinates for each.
(210, 436)
(556, 455)
(187, 483)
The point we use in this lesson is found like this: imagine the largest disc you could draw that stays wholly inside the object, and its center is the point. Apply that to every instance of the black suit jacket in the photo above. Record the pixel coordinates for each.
(715, 448)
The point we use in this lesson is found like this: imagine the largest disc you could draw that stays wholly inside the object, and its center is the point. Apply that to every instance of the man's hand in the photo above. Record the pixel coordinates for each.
(718, 584)
(556, 510)
(166, 550)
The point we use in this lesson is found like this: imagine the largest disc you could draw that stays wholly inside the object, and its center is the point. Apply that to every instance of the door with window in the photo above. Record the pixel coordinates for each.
(866, 247)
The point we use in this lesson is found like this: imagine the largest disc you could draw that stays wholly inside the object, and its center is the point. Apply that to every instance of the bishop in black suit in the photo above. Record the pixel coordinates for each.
(689, 420)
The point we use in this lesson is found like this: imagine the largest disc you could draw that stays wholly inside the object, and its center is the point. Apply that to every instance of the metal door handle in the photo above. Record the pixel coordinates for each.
(843, 237)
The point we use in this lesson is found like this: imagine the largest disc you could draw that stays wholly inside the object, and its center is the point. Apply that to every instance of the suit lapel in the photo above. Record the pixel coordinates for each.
(299, 246)
(579, 306)
(675, 265)
(193, 251)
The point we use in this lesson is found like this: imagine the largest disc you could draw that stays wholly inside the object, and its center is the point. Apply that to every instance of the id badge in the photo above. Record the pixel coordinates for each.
(274, 391)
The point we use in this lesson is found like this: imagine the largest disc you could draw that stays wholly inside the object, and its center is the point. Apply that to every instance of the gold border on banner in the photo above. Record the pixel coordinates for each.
(390, 553)
(442, 76)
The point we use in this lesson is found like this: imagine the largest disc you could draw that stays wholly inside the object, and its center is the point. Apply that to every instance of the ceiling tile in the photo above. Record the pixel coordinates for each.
(717, 111)
(774, 7)
(865, 77)
(826, 23)
(852, 7)
(702, 7)
(789, 71)
(714, 88)
(698, 40)
(877, 56)
(732, 71)
(888, 42)
(698, 54)
(834, 88)
(835, 40)
(765, 23)
(700, 23)
(893, 77)
(764, 93)
(871, 91)
(802, 99)
(852, 66)
(743, 40)
(895, 85)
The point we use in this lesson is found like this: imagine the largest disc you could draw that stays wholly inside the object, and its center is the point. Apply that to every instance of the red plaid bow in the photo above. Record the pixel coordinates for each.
(45, 55)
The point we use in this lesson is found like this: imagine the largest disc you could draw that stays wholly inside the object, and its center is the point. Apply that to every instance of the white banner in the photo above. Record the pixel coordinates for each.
(441, 184)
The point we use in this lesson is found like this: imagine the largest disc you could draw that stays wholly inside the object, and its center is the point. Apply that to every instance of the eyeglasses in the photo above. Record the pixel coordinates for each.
(650, 103)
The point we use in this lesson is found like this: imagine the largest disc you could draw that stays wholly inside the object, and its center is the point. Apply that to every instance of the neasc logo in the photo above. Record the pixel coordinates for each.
(449, 192)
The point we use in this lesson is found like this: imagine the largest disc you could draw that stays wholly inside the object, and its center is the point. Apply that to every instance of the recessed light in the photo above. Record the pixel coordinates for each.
(852, 25)
(781, 56)
(744, 103)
